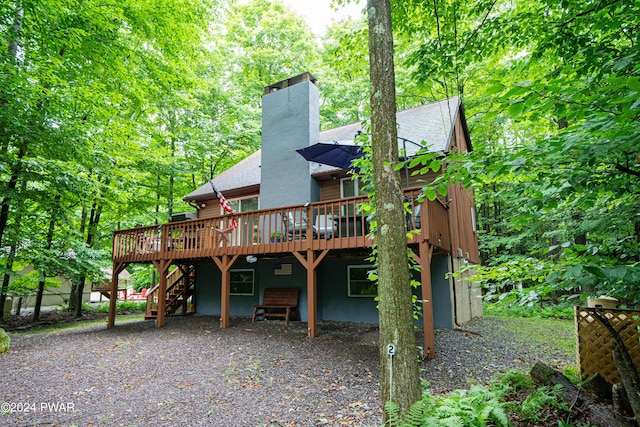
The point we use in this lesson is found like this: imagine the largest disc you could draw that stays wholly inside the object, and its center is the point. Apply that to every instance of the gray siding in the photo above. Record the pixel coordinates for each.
(290, 120)
(333, 300)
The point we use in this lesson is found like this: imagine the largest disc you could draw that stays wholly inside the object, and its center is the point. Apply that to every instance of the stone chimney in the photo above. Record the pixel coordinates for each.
(290, 120)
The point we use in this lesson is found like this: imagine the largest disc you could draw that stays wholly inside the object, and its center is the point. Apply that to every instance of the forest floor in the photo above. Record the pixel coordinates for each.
(192, 372)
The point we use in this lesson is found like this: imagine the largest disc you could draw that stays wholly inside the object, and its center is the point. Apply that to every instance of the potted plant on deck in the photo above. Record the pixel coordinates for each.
(275, 236)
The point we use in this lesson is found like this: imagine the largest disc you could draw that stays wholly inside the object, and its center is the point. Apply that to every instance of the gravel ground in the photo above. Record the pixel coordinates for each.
(192, 373)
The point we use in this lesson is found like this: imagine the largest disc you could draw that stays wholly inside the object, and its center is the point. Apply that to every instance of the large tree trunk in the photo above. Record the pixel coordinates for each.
(400, 380)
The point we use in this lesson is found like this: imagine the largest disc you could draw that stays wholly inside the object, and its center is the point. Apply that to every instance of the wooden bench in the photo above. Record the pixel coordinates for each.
(278, 302)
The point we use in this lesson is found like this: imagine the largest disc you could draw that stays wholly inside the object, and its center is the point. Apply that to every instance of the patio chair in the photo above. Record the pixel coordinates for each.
(296, 225)
(326, 226)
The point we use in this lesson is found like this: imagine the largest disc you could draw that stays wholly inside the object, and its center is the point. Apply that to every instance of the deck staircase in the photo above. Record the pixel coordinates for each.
(180, 287)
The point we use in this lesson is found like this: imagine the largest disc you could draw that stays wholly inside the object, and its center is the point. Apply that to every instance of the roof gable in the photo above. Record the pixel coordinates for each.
(432, 123)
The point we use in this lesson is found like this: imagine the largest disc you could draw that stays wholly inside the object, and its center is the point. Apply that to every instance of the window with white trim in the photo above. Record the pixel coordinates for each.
(349, 187)
(242, 205)
(474, 226)
(242, 281)
(358, 283)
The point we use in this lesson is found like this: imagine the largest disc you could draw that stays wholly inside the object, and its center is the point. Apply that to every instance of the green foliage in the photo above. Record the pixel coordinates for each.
(562, 423)
(120, 306)
(513, 380)
(5, 341)
(27, 284)
(550, 92)
(535, 403)
(573, 374)
(507, 308)
(476, 407)
(144, 276)
(512, 392)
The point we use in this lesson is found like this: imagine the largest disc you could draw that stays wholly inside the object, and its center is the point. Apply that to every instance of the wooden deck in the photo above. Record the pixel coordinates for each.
(330, 225)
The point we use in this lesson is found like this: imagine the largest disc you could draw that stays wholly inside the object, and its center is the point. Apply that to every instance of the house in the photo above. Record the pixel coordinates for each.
(25, 297)
(298, 224)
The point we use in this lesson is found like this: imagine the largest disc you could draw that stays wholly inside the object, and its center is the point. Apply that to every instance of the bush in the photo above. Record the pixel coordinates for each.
(5, 341)
(120, 306)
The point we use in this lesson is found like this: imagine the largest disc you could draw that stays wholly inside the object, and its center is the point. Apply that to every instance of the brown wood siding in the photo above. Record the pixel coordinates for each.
(462, 235)
(418, 180)
(459, 141)
(330, 190)
(213, 209)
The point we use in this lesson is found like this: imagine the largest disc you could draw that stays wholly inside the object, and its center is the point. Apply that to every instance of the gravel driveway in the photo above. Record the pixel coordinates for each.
(192, 373)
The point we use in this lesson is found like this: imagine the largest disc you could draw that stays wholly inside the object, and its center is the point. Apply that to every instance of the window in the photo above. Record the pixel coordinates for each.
(474, 227)
(242, 282)
(358, 281)
(243, 205)
(349, 187)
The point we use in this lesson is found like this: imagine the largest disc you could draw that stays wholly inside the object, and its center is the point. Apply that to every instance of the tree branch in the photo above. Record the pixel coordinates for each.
(587, 12)
(626, 169)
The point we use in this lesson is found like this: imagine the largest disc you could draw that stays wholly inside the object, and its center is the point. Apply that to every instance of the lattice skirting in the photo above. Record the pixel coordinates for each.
(595, 344)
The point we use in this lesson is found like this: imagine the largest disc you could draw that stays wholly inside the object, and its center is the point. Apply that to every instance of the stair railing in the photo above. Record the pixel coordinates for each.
(173, 279)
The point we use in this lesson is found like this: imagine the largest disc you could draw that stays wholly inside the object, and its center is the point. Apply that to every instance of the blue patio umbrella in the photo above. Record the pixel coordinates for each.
(332, 154)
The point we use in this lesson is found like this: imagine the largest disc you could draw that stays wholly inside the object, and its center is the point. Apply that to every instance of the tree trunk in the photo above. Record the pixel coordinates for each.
(629, 377)
(38, 304)
(94, 220)
(624, 363)
(80, 292)
(43, 274)
(597, 413)
(7, 277)
(73, 295)
(13, 51)
(400, 380)
(10, 191)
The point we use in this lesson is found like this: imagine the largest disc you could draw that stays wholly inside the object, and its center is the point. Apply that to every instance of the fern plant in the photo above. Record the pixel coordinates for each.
(546, 396)
(476, 407)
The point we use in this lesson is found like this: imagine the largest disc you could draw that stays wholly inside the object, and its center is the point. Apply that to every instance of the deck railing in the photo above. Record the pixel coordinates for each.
(337, 224)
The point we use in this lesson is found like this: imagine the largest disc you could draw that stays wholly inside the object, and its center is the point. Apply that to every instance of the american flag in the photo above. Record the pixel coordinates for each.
(225, 204)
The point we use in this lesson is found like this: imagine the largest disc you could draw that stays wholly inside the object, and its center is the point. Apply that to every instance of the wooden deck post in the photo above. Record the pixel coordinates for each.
(224, 263)
(312, 296)
(162, 266)
(113, 294)
(310, 263)
(424, 259)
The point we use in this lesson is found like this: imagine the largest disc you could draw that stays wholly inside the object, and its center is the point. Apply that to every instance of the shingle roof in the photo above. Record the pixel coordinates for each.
(431, 124)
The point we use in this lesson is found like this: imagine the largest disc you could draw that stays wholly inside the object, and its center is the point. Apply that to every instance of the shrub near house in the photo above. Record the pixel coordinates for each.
(5, 341)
